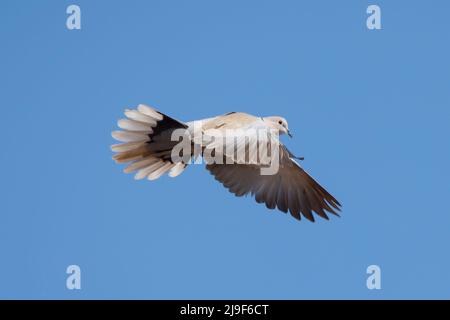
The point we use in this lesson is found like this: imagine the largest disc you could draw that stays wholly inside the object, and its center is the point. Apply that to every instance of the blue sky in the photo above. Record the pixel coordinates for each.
(370, 111)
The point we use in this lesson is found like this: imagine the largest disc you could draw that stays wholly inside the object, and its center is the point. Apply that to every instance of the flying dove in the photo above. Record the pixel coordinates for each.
(148, 146)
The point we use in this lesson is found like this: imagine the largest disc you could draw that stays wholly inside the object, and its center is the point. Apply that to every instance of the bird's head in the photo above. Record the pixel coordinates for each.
(278, 123)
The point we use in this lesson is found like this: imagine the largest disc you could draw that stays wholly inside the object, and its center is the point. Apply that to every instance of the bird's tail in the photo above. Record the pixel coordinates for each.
(147, 143)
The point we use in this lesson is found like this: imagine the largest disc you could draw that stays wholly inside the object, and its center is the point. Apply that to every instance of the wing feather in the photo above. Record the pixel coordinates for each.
(291, 190)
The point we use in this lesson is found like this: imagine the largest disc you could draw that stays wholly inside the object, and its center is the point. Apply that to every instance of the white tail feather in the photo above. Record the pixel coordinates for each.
(150, 112)
(141, 174)
(158, 173)
(177, 170)
(136, 115)
(126, 136)
(137, 165)
(123, 147)
(133, 125)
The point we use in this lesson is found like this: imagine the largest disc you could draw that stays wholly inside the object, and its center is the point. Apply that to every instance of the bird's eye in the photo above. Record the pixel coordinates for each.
(280, 122)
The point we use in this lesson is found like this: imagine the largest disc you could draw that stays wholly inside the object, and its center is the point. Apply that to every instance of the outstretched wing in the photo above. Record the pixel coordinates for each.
(291, 189)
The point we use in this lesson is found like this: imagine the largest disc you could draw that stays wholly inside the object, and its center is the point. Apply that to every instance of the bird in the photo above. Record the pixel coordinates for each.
(147, 147)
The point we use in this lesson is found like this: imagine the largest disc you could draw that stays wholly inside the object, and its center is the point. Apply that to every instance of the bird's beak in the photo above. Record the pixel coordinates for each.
(289, 134)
